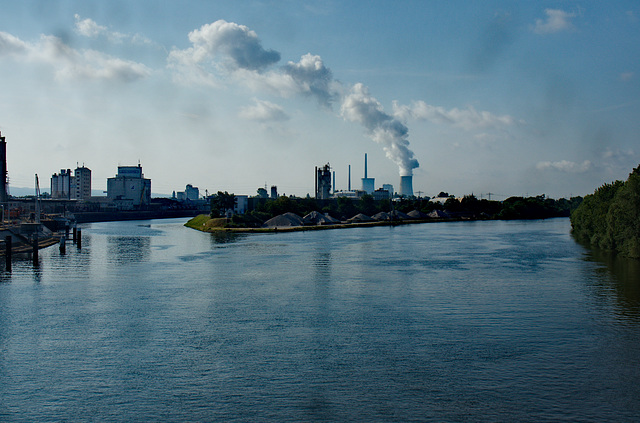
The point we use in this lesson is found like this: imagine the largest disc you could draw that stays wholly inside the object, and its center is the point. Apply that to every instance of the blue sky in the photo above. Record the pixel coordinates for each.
(512, 98)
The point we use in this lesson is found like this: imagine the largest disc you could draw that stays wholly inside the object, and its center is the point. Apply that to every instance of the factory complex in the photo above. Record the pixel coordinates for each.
(130, 191)
(325, 182)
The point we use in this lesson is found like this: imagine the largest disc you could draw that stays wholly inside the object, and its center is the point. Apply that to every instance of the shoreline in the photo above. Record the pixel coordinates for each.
(198, 223)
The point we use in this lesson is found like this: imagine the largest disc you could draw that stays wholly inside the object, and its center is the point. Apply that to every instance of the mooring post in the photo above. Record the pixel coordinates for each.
(7, 251)
(75, 232)
(79, 238)
(35, 249)
(63, 245)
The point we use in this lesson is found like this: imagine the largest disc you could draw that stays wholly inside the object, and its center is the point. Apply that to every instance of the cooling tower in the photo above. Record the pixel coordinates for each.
(406, 186)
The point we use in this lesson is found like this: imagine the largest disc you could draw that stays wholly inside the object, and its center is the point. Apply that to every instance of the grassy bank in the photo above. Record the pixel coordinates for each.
(205, 223)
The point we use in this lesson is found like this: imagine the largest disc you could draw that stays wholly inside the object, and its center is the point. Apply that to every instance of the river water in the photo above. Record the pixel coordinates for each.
(461, 321)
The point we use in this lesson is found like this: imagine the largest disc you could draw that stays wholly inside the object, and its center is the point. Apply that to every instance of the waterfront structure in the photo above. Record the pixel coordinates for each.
(62, 185)
(323, 182)
(4, 193)
(190, 193)
(82, 177)
(72, 186)
(368, 184)
(129, 188)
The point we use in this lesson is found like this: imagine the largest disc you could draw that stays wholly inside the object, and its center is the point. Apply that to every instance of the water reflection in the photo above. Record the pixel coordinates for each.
(222, 237)
(128, 249)
(622, 279)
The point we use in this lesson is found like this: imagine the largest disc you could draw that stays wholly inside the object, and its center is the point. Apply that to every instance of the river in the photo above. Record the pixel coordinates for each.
(459, 321)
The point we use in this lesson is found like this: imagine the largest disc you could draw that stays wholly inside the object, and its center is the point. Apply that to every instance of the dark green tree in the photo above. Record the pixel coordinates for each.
(221, 203)
(367, 205)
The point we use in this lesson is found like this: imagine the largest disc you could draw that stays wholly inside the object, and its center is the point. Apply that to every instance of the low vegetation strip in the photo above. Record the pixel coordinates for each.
(205, 223)
(285, 213)
(609, 218)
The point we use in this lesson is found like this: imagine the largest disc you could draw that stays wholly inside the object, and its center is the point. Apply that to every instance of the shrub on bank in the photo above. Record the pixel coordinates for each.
(610, 217)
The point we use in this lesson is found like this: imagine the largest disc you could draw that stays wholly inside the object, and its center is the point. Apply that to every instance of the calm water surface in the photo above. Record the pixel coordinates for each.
(465, 321)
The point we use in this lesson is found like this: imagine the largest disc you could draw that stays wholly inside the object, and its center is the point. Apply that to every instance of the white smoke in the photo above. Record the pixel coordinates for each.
(236, 50)
(467, 119)
(312, 78)
(359, 106)
(236, 45)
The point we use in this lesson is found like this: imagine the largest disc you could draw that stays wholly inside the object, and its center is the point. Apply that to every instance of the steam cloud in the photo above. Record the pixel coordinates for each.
(243, 57)
(359, 106)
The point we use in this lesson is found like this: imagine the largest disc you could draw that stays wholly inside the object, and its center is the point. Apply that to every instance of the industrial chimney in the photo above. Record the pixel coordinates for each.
(368, 184)
(406, 186)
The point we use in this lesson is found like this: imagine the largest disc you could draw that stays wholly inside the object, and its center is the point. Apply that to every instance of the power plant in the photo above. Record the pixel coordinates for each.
(325, 189)
(406, 186)
(323, 182)
(368, 184)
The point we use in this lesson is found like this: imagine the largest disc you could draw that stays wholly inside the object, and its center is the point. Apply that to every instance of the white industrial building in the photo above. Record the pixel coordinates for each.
(65, 185)
(190, 193)
(129, 188)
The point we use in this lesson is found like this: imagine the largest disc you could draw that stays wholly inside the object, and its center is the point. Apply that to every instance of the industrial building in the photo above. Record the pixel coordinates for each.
(323, 182)
(129, 188)
(190, 193)
(72, 186)
(368, 184)
(406, 186)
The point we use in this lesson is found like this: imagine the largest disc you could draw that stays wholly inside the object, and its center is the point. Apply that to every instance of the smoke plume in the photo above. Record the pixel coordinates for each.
(239, 50)
(359, 106)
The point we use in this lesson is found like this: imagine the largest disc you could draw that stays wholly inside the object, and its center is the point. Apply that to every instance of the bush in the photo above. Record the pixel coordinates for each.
(609, 218)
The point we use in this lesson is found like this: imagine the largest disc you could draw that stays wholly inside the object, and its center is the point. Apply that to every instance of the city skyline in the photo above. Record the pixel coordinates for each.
(501, 97)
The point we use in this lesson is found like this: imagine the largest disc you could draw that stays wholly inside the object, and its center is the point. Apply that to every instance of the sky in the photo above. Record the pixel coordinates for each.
(470, 97)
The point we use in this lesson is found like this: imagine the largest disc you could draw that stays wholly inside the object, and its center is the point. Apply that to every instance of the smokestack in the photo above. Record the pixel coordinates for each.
(365, 165)
(334, 182)
(349, 177)
(406, 186)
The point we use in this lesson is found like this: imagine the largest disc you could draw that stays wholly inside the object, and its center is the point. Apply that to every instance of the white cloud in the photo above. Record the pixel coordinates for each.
(69, 63)
(312, 78)
(238, 46)
(223, 49)
(263, 111)
(10, 45)
(556, 21)
(89, 28)
(565, 166)
(468, 119)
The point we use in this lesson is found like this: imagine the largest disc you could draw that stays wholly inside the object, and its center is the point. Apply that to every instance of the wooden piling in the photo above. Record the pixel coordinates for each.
(63, 245)
(35, 249)
(79, 240)
(75, 233)
(8, 252)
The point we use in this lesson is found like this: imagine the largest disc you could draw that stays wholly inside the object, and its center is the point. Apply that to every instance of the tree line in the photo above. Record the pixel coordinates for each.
(609, 218)
(342, 208)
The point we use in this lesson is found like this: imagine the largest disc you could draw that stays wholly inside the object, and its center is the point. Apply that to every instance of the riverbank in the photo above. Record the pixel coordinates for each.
(205, 223)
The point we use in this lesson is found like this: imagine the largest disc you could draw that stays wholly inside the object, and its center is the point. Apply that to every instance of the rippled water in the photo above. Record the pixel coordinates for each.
(465, 321)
